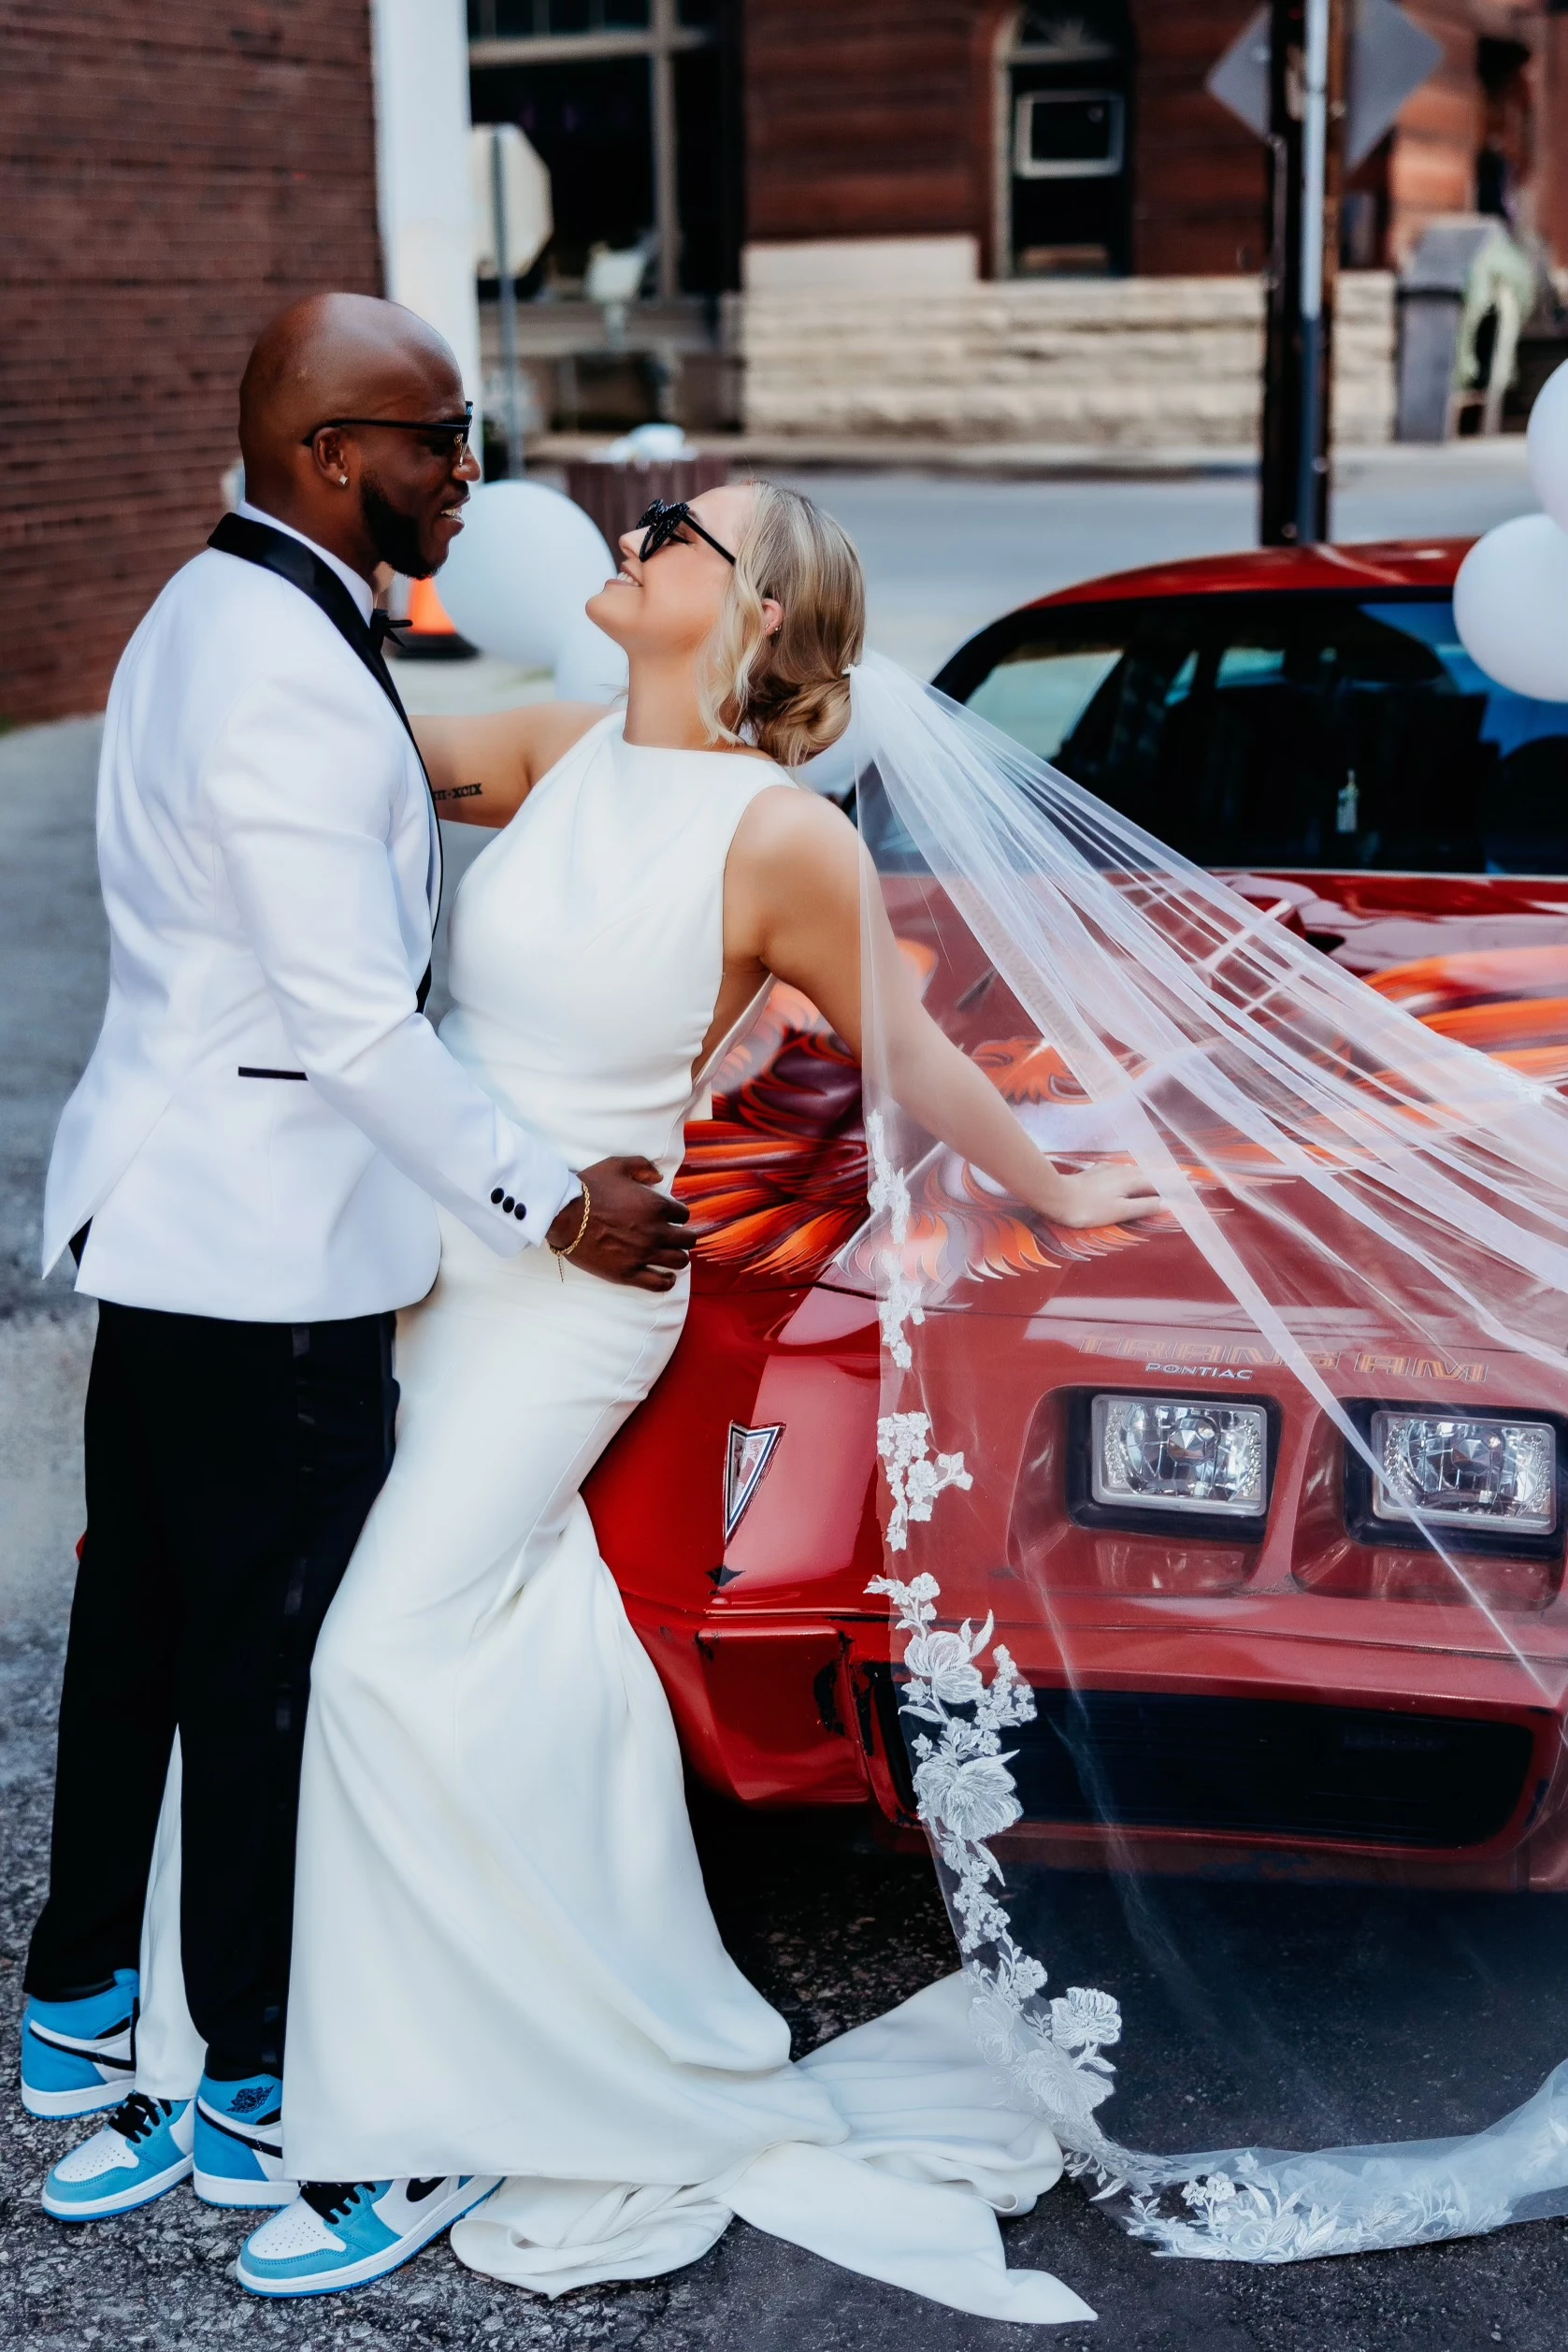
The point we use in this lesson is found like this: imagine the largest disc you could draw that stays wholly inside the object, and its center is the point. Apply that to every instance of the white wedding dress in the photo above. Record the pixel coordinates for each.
(504, 1958)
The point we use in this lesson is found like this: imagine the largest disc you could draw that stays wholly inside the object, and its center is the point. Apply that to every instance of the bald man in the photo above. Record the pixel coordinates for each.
(248, 1174)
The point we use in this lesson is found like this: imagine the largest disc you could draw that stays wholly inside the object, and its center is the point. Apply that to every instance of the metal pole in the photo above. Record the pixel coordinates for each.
(506, 288)
(1312, 465)
(1278, 473)
(1306, 77)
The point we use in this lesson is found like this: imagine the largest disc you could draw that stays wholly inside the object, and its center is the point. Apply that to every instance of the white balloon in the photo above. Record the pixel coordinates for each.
(521, 570)
(1511, 607)
(1547, 443)
(590, 667)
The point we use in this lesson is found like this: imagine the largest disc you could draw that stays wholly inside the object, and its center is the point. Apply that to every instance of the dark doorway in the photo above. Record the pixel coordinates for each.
(1066, 129)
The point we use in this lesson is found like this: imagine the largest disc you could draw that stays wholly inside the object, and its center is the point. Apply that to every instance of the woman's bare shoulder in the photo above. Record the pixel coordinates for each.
(786, 820)
(794, 859)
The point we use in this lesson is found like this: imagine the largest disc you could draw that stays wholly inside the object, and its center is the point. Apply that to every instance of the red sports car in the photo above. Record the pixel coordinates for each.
(1280, 1680)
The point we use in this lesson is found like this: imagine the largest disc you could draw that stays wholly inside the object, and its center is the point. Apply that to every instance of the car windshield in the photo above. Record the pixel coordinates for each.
(1298, 731)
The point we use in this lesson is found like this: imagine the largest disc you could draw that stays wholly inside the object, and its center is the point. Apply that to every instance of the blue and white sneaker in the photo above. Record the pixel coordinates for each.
(341, 2233)
(142, 2151)
(78, 2056)
(239, 2142)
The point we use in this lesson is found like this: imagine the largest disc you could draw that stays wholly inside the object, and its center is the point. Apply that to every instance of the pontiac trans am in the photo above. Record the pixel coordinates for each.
(1244, 1657)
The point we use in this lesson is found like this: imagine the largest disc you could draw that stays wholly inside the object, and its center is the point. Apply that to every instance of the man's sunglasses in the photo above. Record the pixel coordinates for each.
(447, 437)
(663, 524)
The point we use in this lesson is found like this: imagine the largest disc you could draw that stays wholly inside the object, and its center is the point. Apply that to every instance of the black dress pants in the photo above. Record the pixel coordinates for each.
(230, 1467)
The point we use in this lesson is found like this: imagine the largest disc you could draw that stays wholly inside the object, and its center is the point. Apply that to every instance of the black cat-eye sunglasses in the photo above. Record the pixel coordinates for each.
(664, 523)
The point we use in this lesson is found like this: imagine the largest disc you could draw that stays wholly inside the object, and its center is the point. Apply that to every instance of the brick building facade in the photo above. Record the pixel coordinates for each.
(900, 185)
(958, 218)
(169, 177)
(895, 118)
(1029, 221)
(896, 128)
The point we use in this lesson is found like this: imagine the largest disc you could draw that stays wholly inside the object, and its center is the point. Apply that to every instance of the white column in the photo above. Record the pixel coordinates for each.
(421, 158)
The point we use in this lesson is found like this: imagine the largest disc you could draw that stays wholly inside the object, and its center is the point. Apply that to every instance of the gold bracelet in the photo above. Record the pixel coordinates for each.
(588, 1212)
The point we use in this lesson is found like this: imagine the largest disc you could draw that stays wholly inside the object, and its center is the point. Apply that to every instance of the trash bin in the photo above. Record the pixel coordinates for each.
(615, 494)
(1464, 269)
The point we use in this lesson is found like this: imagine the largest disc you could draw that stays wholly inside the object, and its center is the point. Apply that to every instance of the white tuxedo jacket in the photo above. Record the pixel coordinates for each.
(268, 1120)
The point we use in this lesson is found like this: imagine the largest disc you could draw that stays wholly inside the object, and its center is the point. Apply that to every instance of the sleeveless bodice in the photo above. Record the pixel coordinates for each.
(588, 944)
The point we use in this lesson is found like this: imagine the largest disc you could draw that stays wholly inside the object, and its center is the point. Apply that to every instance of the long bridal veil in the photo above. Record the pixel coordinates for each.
(1224, 1553)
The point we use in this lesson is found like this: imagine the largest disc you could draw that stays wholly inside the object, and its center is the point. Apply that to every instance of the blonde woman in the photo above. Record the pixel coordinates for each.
(505, 1966)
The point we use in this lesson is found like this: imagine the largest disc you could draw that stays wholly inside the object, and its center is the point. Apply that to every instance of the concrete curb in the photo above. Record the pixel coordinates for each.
(1035, 461)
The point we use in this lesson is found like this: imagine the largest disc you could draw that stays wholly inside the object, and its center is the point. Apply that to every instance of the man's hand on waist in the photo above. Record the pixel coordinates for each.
(635, 1233)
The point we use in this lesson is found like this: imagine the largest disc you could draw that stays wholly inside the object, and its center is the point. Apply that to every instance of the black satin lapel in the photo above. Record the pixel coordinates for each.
(292, 561)
(303, 569)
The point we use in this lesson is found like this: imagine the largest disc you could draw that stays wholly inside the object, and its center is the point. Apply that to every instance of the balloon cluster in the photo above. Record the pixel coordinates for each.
(1511, 595)
(522, 568)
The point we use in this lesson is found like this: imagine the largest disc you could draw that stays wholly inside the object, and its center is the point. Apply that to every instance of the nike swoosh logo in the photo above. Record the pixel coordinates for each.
(90, 2048)
(256, 2136)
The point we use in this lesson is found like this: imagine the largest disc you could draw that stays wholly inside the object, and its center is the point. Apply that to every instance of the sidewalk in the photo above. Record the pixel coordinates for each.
(1039, 461)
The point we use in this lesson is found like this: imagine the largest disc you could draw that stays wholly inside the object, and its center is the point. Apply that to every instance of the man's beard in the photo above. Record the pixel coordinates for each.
(394, 536)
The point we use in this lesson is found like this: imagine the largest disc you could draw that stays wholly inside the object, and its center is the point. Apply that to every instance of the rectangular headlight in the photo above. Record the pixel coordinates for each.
(1177, 1453)
(1466, 1473)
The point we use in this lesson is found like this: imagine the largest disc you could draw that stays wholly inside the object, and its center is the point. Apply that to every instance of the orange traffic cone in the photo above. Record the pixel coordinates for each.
(429, 633)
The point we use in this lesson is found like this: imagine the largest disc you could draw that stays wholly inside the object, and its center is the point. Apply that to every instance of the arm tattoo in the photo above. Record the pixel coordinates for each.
(458, 792)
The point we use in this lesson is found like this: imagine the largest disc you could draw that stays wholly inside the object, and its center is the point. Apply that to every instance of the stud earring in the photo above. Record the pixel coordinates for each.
(343, 480)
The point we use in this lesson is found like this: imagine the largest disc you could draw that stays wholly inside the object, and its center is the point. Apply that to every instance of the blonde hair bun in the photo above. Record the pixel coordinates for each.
(787, 693)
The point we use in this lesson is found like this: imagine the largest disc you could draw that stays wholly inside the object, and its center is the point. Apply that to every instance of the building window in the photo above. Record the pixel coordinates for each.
(1069, 134)
(631, 103)
(1064, 97)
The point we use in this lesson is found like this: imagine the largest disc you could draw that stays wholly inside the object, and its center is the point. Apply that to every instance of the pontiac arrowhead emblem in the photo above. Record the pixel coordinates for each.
(746, 1457)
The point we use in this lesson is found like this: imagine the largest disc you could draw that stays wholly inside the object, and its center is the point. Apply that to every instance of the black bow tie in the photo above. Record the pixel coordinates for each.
(382, 626)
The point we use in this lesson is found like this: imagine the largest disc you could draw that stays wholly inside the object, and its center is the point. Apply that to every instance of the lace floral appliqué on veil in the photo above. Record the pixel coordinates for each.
(1414, 1190)
(1236, 2205)
(966, 1793)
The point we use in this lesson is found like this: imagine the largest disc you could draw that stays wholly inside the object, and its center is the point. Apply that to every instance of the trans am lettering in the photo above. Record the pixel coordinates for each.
(1186, 1355)
(1235, 1360)
(1472, 1372)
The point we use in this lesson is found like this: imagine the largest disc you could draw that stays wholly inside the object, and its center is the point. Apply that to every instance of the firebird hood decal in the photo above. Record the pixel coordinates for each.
(776, 1178)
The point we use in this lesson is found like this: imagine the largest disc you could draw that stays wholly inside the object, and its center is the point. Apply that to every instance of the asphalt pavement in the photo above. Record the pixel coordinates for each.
(944, 556)
(832, 1928)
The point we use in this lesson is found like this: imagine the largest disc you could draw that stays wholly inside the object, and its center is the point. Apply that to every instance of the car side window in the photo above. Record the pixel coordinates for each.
(1325, 732)
(1520, 822)
(1039, 695)
(1287, 731)
(1123, 745)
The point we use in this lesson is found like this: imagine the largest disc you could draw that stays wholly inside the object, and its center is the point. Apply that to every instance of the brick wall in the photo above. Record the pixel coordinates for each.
(872, 119)
(170, 175)
(1200, 182)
